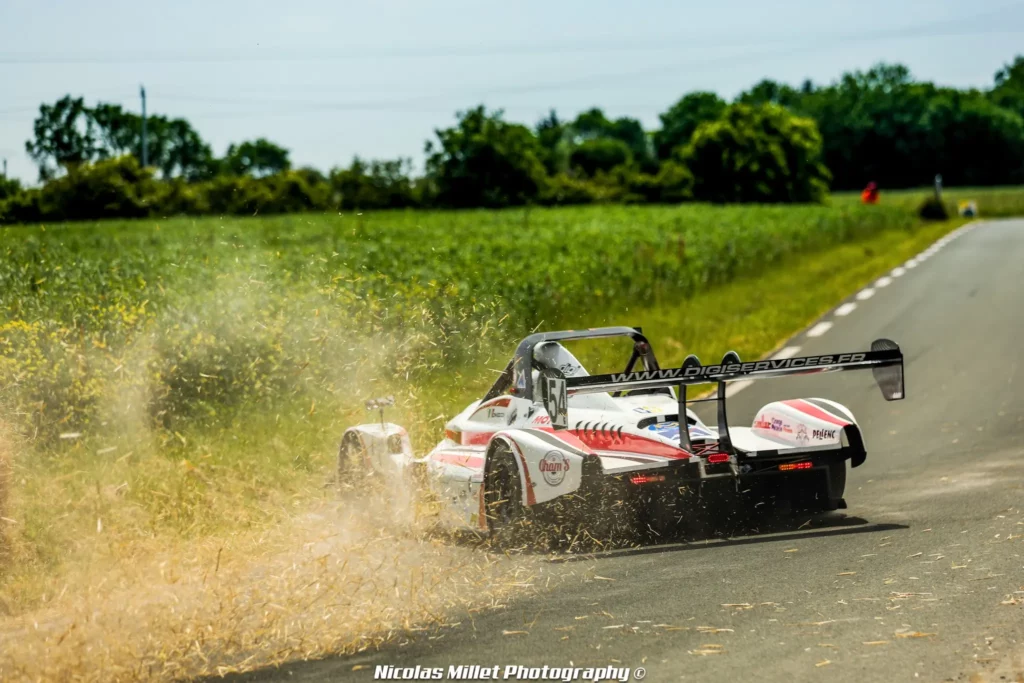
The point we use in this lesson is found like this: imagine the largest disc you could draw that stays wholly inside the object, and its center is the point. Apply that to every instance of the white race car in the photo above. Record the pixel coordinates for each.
(551, 445)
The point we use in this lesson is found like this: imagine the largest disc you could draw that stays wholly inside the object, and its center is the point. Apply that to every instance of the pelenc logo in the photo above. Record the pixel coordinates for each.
(553, 467)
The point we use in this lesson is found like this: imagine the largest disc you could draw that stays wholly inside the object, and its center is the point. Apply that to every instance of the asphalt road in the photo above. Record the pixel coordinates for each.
(921, 579)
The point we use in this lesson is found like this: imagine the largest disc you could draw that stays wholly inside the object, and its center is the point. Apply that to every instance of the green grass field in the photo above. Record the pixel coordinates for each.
(183, 381)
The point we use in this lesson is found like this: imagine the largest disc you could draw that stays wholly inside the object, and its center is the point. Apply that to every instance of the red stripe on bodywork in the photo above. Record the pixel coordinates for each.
(815, 411)
(606, 440)
(476, 438)
(590, 440)
(468, 461)
(496, 403)
(569, 438)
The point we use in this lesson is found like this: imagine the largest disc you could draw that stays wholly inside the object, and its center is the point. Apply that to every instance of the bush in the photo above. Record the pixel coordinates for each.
(674, 183)
(23, 207)
(932, 209)
(484, 161)
(118, 188)
(566, 190)
(179, 198)
(8, 187)
(630, 185)
(290, 192)
(374, 185)
(600, 154)
(759, 154)
(113, 188)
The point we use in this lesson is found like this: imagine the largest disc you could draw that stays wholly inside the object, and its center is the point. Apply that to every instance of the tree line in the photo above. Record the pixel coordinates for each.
(772, 143)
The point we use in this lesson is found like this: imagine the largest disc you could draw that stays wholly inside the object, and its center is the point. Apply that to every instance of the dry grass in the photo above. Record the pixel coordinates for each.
(334, 581)
(6, 451)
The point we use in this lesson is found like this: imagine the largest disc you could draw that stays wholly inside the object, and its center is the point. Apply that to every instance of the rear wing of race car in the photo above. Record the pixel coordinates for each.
(885, 360)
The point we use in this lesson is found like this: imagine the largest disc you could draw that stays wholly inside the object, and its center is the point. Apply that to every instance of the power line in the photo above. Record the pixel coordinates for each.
(420, 104)
(589, 81)
(605, 44)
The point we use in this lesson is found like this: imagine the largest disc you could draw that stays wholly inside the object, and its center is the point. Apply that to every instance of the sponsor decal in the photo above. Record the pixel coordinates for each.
(520, 379)
(700, 432)
(568, 369)
(801, 434)
(670, 430)
(495, 414)
(542, 420)
(762, 424)
(511, 416)
(780, 426)
(823, 434)
(642, 411)
(553, 467)
(735, 368)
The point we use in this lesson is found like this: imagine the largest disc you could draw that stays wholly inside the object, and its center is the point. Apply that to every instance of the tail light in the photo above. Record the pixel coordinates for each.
(716, 458)
(789, 466)
(646, 478)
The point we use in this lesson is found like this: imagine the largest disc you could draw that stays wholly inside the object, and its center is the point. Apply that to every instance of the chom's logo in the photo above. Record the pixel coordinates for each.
(553, 467)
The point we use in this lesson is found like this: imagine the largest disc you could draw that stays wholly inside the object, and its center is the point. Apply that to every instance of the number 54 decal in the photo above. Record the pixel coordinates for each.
(556, 401)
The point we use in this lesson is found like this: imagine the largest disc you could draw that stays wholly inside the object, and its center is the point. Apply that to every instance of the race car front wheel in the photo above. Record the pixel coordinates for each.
(503, 498)
(351, 461)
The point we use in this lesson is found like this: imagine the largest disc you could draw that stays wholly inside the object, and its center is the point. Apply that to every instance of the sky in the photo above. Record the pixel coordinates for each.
(330, 79)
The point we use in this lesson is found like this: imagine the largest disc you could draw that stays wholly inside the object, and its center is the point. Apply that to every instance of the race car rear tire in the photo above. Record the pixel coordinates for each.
(837, 485)
(828, 495)
(507, 517)
(837, 479)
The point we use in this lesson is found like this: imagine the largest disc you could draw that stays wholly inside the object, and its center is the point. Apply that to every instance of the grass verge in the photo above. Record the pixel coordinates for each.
(992, 202)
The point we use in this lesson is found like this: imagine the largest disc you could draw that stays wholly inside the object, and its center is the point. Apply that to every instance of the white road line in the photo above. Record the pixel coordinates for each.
(846, 309)
(865, 294)
(788, 352)
(819, 329)
(734, 388)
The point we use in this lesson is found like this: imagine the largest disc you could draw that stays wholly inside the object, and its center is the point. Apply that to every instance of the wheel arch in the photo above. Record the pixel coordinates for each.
(516, 454)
